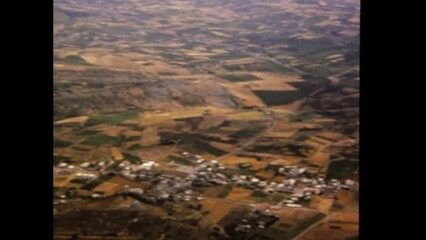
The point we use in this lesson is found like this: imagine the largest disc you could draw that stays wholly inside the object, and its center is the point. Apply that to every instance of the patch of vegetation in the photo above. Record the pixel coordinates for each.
(91, 84)
(234, 216)
(349, 83)
(239, 77)
(132, 158)
(305, 47)
(225, 191)
(171, 137)
(135, 147)
(258, 194)
(76, 59)
(276, 198)
(111, 119)
(263, 67)
(180, 160)
(100, 139)
(92, 184)
(342, 169)
(314, 20)
(58, 143)
(302, 137)
(247, 132)
(229, 56)
(280, 148)
(117, 30)
(73, 112)
(86, 133)
(206, 147)
(132, 138)
(273, 98)
(302, 117)
(62, 85)
(274, 233)
(281, 234)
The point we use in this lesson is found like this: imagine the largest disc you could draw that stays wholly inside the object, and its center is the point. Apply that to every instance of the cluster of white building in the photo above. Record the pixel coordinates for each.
(206, 173)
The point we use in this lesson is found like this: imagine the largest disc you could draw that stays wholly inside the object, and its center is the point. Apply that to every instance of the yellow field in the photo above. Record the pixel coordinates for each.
(320, 159)
(62, 181)
(240, 61)
(219, 51)
(348, 218)
(278, 77)
(168, 45)
(239, 194)
(136, 92)
(129, 61)
(217, 210)
(265, 174)
(304, 36)
(131, 122)
(167, 119)
(199, 54)
(131, 133)
(264, 85)
(155, 153)
(346, 196)
(281, 134)
(246, 96)
(212, 121)
(313, 143)
(288, 108)
(246, 116)
(156, 119)
(287, 160)
(324, 120)
(221, 34)
(75, 120)
(295, 125)
(108, 188)
(123, 181)
(321, 203)
(320, 140)
(116, 154)
(291, 216)
(111, 130)
(328, 23)
(331, 135)
(149, 137)
(223, 146)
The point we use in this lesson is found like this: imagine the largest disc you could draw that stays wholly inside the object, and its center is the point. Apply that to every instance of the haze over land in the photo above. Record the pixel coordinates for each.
(213, 119)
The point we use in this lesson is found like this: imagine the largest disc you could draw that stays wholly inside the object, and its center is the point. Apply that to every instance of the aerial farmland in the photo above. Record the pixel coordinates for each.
(198, 119)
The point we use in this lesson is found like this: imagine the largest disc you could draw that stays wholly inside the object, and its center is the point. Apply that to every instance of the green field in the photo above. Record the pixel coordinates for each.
(247, 132)
(239, 77)
(180, 160)
(132, 158)
(342, 169)
(111, 119)
(75, 59)
(58, 143)
(100, 139)
(225, 191)
(206, 147)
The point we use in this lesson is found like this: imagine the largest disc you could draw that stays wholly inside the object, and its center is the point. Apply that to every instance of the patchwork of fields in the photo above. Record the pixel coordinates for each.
(203, 119)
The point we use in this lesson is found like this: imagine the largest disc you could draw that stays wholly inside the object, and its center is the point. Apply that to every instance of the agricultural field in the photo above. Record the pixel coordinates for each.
(180, 119)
